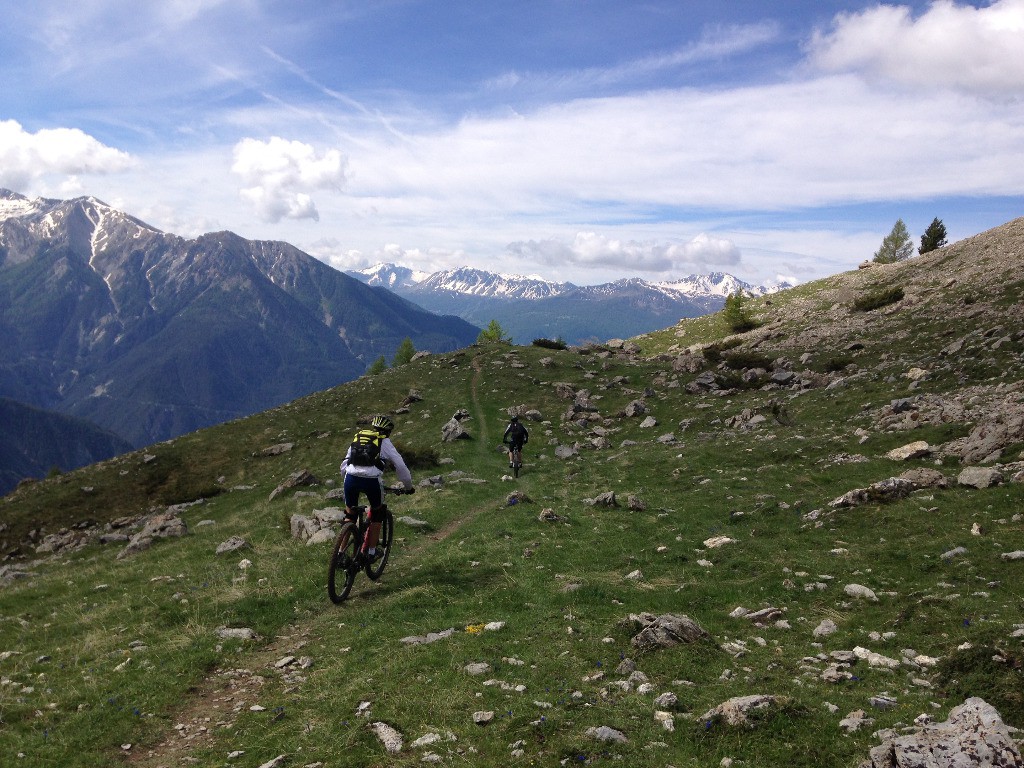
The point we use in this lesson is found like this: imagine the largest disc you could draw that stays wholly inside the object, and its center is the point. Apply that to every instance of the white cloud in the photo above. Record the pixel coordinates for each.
(282, 173)
(25, 157)
(949, 45)
(590, 249)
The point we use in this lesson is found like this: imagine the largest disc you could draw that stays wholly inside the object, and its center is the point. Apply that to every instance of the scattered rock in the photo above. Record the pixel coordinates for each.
(303, 477)
(453, 430)
(389, 737)
(910, 451)
(875, 659)
(430, 637)
(718, 541)
(883, 492)
(606, 733)
(923, 477)
(736, 710)
(160, 526)
(665, 631)
(483, 717)
(236, 633)
(979, 477)
(856, 720)
(565, 451)
(861, 592)
(277, 450)
(233, 544)
(825, 628)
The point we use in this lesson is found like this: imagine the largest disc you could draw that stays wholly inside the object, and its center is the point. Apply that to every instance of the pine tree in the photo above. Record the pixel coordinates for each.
(736, 315)
(492, 333)
(934, 237)
(404, 354)
(379, 366)
(896, 246)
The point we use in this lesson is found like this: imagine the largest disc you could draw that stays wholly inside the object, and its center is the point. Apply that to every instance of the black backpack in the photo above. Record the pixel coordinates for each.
(365, 449)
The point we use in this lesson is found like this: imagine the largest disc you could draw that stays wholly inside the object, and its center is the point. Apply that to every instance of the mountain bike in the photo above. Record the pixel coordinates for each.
(516, 455)
(347, 556)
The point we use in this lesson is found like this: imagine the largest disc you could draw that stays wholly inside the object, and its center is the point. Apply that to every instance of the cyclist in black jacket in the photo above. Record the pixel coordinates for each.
(516, 436)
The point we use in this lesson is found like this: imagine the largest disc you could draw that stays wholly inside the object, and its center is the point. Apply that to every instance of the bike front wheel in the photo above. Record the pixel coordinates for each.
(375, 569)
(344, 565)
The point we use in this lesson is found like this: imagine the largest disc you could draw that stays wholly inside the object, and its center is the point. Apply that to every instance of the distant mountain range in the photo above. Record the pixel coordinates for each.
(529, 307)
(150, 335)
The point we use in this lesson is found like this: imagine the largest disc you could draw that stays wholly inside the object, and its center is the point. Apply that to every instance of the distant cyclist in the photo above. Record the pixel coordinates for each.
(368, 456)
(515, 437)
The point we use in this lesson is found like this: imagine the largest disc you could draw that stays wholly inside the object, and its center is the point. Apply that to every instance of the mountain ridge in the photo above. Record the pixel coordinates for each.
(150, 335)
(531, 307)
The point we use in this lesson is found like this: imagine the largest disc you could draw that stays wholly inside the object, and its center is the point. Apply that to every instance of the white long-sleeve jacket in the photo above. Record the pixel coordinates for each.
(389, 453)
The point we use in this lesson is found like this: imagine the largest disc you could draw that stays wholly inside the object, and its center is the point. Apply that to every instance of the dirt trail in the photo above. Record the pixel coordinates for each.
(214, 704)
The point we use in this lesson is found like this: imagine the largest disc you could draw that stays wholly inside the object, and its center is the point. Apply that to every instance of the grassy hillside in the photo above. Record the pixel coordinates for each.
(106, 660)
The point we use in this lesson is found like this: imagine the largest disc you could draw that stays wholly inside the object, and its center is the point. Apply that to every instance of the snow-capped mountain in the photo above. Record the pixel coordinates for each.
(715, 284)
(477, 282)
(391, 276)
(469, 281)
(151, 335)
(531, 307)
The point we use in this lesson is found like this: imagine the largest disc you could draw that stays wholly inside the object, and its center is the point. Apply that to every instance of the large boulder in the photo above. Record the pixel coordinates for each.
(974, 735)
(453, 430)
(665, 631)
(736, 710)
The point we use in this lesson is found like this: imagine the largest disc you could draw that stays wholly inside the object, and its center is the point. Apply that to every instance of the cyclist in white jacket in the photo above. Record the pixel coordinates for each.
(363, 467)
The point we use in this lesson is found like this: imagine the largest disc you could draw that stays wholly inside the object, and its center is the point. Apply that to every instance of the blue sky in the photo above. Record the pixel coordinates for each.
(581, 140)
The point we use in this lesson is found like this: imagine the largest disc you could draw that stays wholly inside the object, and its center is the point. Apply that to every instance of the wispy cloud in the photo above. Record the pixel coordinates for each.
(715, 43)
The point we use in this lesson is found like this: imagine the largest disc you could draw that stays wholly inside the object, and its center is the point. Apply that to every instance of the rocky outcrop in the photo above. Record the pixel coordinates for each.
(302, 477)
(974, 735)
(161, 526)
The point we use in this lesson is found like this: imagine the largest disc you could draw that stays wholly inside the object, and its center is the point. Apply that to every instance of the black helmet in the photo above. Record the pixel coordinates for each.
(514, 419)
(382, 424)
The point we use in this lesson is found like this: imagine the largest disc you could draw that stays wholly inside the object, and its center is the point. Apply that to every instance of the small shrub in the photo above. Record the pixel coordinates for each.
(748, 359)
(713, 352)
(836, 364)
(418, 457)
(549, 343)
(994, 674)
(882, 297)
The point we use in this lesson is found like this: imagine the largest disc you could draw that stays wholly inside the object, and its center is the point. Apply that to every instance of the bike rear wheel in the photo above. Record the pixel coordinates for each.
(344, 565)
(375, 569)
(517, 462)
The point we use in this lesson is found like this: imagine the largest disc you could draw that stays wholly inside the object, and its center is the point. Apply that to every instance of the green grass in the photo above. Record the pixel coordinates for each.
(482, 560)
